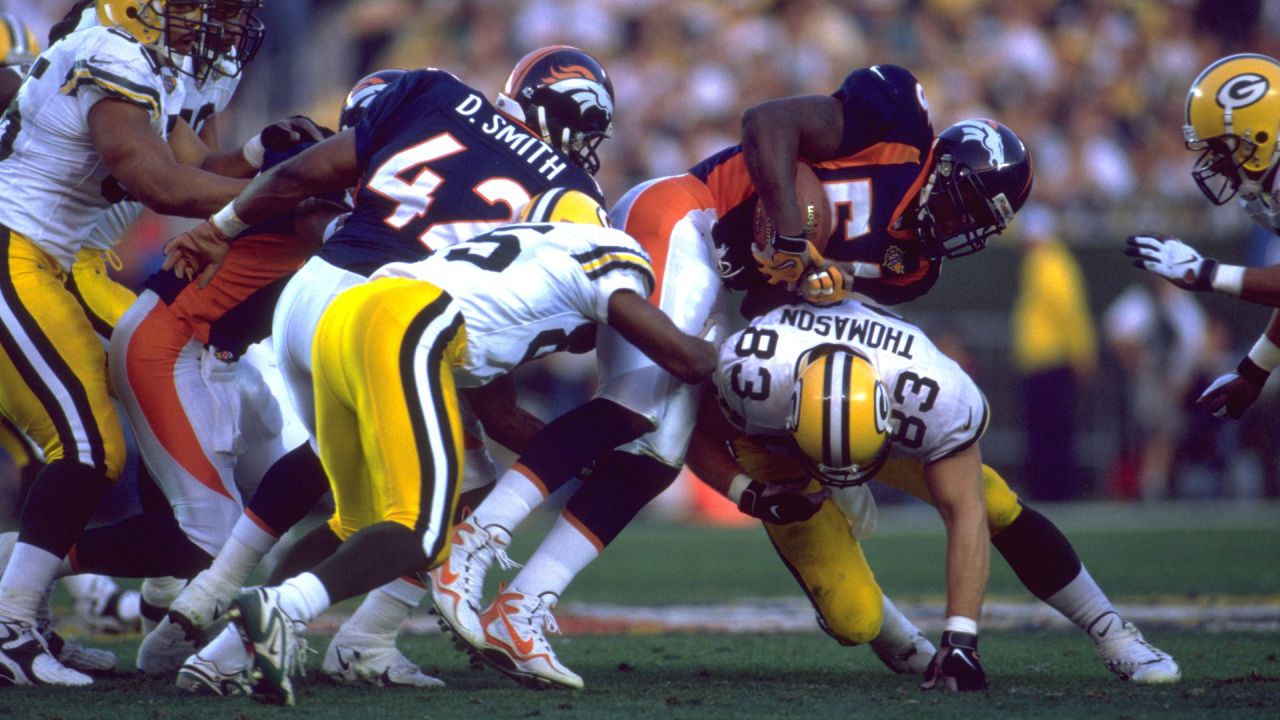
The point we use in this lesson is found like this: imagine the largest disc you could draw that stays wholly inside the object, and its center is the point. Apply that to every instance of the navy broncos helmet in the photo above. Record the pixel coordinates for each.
(565, 97)
(363, 93)
(979, 176)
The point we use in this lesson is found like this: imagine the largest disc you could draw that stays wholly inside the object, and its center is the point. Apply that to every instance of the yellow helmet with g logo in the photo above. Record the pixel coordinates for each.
(839, 417)
(18, 45)
(1233, 118)
(150, 21)
(566, 206)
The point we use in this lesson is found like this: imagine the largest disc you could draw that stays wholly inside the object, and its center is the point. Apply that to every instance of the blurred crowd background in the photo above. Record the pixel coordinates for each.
(1091, 368)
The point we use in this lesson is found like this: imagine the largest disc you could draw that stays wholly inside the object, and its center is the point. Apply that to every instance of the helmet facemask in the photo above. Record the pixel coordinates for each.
(957, 214)
(153, 22)
(237, 35)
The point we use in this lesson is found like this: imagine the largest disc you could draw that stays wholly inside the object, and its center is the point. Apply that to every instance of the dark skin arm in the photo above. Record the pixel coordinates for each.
(690, 359)
(10, 81)
(142, 161)
(504, 421)
(775, 134)
(329, 166)
(1262, 286)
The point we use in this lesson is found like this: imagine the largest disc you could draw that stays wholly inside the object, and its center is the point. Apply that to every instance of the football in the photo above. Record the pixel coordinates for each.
(813, 203)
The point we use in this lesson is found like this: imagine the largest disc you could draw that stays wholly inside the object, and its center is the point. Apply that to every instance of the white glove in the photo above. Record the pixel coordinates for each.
(1172, 259)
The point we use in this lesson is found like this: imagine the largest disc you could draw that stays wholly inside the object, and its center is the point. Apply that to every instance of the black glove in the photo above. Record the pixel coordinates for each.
(781, 503)
(956, 666)
(1233, 393)
(290, 131)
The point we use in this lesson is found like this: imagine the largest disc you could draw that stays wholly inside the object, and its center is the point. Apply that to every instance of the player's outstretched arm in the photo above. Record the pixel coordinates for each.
(690, 359)
(1232, 393)
(955, 483)
(1182, 265)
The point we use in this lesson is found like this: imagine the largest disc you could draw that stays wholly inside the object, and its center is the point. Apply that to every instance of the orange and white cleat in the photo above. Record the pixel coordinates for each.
(516, 645)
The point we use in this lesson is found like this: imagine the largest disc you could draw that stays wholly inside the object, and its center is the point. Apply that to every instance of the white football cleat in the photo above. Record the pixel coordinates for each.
(201, 675)
(75, 655)
(515, 644)
(201, 605)
(26, 660)
(912, 659)
(164, 649)
(1125, 653)
(105, 608)
(359, 659)
(457, 586)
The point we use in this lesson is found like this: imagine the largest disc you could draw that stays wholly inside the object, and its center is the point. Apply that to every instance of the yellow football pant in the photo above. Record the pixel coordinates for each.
(828, 561)
(53, 369)
(388, 423)
(104, 300)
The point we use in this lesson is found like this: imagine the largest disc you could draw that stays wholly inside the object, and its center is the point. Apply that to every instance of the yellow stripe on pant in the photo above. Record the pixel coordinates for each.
(53, 369)
(388, 423)
(827, 560)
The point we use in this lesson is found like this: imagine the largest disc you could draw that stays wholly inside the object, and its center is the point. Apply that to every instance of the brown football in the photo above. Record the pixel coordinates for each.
(813, 204)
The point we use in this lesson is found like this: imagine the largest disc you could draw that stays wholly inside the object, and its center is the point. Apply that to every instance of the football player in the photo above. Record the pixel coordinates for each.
(1232, 120)
(904, 199)
(91, 116)
(389, 356)
(436, 163)
(845, 393)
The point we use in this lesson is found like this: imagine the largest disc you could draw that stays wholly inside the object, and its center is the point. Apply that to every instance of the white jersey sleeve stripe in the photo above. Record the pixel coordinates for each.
(85, 74)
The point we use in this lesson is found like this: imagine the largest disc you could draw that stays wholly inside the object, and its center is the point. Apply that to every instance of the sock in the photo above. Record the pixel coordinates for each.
(226, 651)
(516, 494)
(557, 561)
(896, 631)
(26, 577)
(160, 591)
(1082, 602)
(383, 610)
(242, 552)
(303, 597)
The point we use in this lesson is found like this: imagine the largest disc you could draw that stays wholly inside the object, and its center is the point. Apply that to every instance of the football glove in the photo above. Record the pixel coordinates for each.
(831, 283)
(785, 258)
(1172, 259)
(781, 503)
(1231, 394)
(956, 666)
(290, 131)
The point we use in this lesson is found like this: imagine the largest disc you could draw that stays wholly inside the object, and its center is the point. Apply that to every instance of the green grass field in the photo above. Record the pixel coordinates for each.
(1179, 555)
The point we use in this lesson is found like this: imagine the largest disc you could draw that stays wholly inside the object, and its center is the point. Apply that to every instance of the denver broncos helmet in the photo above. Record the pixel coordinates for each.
(566, 98)
(363, 93)
(566, 206)
(1232, 119)
(839, 417)
(18, 45)
(979, 174)
(149, 22)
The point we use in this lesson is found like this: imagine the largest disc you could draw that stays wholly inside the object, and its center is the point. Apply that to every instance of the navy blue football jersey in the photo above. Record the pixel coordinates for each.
(439, 165)
(884, 145)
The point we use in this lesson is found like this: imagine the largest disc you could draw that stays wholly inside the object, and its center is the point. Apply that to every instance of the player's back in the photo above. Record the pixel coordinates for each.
(439, 164)
(528, 290)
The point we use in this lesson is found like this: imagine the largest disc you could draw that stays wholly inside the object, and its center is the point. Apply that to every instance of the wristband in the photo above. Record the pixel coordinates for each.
(736, 486)
(254, 151)
(790, 244)
(226, 221)
(961, 624)
(1229, 280)
(1265, 354)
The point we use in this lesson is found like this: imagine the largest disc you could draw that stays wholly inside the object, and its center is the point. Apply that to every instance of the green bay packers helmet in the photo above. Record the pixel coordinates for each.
(839, 417)
(18, 45)
(151, 21)
(566, 206)
(1232, 119)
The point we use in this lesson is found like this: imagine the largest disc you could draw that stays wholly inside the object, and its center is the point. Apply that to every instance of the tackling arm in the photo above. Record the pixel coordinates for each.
(504, 421)
(775, 134)
(690, 359)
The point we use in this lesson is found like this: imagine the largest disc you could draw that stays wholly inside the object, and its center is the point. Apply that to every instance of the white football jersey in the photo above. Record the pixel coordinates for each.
(200, 101)
(530, 290)
(53, 183)
(937, 410)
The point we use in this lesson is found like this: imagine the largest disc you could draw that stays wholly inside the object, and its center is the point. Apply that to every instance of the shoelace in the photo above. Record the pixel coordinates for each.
(480, 559)
(302, 649)
(540, 618)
